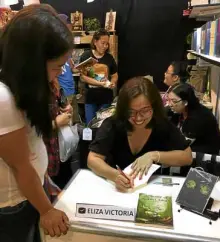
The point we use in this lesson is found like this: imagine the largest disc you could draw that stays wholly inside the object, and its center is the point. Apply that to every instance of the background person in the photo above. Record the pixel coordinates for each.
(196, 122)
(176, 73)
(59, 172)
(97, 96)
(67, 82)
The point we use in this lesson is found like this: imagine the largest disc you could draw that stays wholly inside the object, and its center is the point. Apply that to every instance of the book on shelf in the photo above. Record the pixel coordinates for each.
(203, 38)
(143, 182)
(212, 38)
(207, 42)
(217, 39)
(155, 210)
(198, 40)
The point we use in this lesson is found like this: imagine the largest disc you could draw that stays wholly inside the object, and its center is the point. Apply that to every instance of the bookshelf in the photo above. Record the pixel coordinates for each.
(211, 59)
(205, 12)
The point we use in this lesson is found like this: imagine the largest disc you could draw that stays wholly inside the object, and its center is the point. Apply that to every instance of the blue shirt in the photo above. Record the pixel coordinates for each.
(66, 80)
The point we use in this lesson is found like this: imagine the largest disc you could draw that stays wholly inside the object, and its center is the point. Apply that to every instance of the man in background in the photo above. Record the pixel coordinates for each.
(66, 81)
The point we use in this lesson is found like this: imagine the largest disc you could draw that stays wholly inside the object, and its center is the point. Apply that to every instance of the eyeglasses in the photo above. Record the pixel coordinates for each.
(144, 112)
(173, 101)
(169, 73)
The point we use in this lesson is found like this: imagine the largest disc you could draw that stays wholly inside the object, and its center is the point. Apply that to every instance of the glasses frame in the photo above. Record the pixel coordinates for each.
(147, 114)
(173, 101)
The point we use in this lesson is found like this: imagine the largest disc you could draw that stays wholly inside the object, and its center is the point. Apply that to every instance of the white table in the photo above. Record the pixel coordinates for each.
(86, 187)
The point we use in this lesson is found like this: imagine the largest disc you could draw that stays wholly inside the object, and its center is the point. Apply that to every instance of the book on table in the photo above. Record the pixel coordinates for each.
(155, 210)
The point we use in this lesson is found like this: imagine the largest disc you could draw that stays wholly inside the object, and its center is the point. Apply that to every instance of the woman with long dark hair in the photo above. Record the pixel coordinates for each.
(138, 133)
(197, 123)
(34, 46)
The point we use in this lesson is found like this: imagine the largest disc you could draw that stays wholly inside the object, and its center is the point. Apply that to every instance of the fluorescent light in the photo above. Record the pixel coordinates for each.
(90, 1)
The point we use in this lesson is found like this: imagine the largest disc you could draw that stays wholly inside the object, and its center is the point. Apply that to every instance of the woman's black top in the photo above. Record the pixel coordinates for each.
(111, 141)
(201, 128)
(105, 67)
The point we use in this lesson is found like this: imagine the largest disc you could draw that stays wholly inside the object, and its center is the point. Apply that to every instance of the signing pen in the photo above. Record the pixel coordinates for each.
(122, 173)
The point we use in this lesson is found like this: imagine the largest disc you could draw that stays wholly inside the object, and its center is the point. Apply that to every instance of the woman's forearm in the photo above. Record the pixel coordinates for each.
(90, 81)
(101, 168)
(31, 187)
(174, 158)
(114, 79)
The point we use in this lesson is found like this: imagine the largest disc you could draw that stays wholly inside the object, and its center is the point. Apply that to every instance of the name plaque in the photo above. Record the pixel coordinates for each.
(105, 212)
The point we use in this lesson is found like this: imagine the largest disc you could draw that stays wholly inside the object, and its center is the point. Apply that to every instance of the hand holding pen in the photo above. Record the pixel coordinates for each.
(123, 181)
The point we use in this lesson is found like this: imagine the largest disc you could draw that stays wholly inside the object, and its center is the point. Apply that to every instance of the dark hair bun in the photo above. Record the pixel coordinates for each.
(180, 69)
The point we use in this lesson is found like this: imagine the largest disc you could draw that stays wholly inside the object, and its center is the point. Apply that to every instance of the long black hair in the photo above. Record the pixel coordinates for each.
(133, 88)
(33, 36)
(187, 93)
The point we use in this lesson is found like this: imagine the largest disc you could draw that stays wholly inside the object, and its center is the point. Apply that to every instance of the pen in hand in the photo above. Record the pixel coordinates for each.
(124, 175)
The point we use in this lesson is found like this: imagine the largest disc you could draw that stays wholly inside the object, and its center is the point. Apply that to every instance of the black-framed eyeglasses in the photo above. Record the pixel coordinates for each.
(144, 112)
(174, 101)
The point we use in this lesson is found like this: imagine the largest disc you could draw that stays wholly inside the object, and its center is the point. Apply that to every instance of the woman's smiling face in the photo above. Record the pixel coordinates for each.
(140, 112)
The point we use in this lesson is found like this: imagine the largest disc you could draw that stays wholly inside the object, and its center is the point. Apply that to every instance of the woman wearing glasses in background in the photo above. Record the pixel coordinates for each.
(176, 73)
(196, 122)
(138, 132)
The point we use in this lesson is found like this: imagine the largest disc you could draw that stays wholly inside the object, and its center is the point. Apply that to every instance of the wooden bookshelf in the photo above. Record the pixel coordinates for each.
(205, 12)
(211, 59)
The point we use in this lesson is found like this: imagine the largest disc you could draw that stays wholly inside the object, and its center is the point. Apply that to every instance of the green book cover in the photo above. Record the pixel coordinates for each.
(155, 210)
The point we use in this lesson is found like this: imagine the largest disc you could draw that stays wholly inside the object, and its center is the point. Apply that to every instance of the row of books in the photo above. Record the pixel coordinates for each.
(206, 40)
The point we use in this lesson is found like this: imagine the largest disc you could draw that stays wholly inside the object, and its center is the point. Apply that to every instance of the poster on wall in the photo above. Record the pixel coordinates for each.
(77, 21)
(110, 21)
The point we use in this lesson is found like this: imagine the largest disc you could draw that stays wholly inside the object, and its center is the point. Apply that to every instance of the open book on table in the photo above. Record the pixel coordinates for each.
(143, 182)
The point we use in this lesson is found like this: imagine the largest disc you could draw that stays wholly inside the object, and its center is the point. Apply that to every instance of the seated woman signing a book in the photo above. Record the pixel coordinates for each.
(138, 133)
(101, 78)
